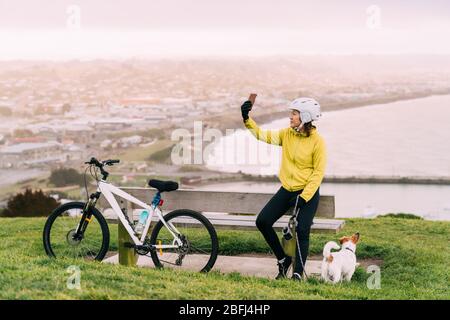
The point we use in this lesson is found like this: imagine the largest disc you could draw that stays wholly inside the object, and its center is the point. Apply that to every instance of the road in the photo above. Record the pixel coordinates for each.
(11, 176)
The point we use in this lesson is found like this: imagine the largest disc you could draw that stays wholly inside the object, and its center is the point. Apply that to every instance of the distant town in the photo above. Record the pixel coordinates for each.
(55, 114)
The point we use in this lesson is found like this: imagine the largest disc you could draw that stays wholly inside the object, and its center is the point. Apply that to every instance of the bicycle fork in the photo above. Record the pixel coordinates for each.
(86, 217)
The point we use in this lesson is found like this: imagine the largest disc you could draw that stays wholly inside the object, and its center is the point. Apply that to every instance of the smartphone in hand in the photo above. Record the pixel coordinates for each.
(252, 98)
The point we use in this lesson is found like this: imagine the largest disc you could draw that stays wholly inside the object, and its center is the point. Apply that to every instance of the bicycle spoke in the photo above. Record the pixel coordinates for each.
(198, 250)
(171, 263)
(65, 225)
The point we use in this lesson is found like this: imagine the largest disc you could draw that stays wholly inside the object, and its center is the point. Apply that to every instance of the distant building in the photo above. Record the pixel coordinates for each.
(155, 118)
(74, 153)
(79, 133)
(129, 141)
(140, 101)
(105, 143)
(35, 139)
(112, 124)
(31, 154)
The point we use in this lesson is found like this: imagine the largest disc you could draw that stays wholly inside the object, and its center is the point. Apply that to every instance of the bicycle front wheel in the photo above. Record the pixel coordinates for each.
(199, 248)
(60, 233)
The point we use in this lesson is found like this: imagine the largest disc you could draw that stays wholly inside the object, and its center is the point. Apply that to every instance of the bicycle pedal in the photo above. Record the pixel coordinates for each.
(129, 245)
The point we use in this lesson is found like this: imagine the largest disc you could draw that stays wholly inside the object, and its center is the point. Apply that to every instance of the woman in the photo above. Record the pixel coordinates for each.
(301, 173)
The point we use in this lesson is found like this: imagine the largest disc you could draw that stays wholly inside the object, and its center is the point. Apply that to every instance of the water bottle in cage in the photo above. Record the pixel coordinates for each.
(142, 221)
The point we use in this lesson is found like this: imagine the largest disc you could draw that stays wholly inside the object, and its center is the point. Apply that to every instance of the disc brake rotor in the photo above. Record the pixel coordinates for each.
(71, 239)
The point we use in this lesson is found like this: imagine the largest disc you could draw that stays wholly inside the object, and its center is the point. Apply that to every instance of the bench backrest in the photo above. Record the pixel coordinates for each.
(219, 201)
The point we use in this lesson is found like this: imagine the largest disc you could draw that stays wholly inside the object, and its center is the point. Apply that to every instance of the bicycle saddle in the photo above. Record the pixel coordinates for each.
(163, 185)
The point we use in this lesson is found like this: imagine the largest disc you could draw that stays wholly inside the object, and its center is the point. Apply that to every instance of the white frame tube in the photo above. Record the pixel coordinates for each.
(108, 190)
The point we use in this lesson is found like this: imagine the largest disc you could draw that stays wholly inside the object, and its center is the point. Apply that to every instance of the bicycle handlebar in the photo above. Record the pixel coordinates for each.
(100, 165)
(111, 162)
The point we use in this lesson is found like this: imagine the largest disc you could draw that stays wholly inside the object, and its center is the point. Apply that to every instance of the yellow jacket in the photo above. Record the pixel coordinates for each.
(303, 158)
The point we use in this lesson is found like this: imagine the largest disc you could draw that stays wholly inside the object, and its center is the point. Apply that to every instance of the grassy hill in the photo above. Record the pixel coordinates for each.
(415, 254)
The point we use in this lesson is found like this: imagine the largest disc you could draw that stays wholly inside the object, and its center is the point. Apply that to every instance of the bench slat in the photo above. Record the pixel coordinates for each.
(228, 217)
(219, 201)
(319, 225)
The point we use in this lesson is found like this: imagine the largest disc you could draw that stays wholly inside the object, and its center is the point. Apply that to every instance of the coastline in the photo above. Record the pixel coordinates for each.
(229, 177)
(233, 121)
(227, 121)
(268, 117)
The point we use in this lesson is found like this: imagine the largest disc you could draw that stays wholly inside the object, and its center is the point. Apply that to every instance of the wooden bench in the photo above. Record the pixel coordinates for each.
(225, 210)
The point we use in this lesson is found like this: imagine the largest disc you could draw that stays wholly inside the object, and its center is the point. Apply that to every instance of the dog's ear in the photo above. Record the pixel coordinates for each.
(355, 238)
(344, 239)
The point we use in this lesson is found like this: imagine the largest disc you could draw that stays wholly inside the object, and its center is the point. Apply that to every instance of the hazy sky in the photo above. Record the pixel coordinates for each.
(60, 29)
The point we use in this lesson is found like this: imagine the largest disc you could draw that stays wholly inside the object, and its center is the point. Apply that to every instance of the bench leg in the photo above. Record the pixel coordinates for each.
(127, 256)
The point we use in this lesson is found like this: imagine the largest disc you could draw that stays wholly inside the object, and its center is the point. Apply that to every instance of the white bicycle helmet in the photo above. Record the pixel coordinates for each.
(308, 108)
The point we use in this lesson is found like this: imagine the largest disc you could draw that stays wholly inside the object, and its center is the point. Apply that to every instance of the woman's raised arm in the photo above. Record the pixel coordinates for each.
(269, 136)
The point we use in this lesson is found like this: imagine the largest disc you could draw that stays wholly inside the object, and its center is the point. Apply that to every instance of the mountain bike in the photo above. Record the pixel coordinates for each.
(180, 238)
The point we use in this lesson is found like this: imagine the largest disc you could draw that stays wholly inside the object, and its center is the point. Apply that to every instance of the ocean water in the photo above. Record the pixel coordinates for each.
(432, 202)
(405, 138)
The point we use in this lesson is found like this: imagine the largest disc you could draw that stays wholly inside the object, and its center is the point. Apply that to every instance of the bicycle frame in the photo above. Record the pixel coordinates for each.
(108, 190)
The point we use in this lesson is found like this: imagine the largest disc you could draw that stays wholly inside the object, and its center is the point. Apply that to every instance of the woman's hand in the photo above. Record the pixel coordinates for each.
(245, 109)
(301, 202)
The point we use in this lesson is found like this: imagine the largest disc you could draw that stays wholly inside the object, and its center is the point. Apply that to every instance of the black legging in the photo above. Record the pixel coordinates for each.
(277, 207)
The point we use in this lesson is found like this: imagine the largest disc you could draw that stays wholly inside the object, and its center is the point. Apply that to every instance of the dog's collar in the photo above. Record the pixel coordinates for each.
(350, 250)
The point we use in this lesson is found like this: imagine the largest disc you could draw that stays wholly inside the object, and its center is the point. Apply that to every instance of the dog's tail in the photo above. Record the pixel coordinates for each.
(327, 250)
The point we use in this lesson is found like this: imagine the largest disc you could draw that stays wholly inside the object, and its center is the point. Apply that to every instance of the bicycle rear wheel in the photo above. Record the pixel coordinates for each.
(200, 244)
(60, 238)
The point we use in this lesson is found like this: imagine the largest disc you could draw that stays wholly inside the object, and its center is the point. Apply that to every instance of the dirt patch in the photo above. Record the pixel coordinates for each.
(109, 254)
(362, 262)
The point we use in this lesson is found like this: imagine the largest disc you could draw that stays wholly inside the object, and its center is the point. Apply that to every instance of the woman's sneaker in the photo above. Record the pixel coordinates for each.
(296, 277)
(283, 267)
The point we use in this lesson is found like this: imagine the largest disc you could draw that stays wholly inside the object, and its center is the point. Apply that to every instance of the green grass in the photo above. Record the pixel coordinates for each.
(34, 183)
(143, 153)
(162, 155)
(42, 183)
(415, 254)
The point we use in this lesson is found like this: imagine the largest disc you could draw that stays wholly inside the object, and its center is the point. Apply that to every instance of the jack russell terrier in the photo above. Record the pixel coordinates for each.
(341, 264)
